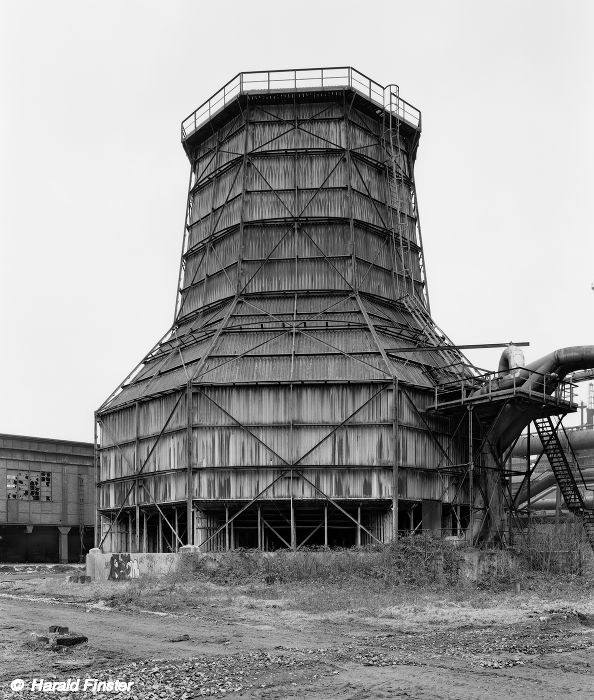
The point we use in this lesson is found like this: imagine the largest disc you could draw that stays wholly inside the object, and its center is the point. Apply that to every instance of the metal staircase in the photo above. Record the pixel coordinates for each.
(433, 335)
(81, 512)
(391, 142)
(565, 475)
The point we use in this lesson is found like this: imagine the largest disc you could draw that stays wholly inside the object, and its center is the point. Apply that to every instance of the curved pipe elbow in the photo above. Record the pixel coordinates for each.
(558, 364)
(541, 376)
(511, 358)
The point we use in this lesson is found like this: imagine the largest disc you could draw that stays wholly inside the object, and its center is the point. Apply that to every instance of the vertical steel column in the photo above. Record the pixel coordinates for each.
(349, 177)
(325, 524)
(64, 517)
(292, 450)
(159, 533)
(528, 475)
(395, 457)
(137, 491)
(196, 539)
(393, 193)
(189, 480)
(176, 526)
(471, 476)
(137, 436)
(511, 503)
(245, 163)
(259, 528)
(144, 533)
(99, 526)
(293, 528)
(137, 531)
(227, 528)
(97, 490)
(129, 531)
(358, 541)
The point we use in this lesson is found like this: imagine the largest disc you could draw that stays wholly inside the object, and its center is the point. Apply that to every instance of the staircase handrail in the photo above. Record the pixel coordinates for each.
(575, 460)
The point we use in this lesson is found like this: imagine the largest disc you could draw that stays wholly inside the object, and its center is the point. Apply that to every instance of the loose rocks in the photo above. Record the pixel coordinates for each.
(58, 636)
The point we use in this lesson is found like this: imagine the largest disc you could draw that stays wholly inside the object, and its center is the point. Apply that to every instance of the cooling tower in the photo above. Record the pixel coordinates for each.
(286, 404)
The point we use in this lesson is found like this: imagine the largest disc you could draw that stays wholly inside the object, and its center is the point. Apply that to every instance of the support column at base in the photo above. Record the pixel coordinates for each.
(293, 528)
(386, 526)
(137, 528)
(63, 544)
(201, 529)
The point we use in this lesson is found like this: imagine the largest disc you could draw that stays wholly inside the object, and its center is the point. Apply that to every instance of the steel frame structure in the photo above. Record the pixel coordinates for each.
(223, 318)
(482, 414)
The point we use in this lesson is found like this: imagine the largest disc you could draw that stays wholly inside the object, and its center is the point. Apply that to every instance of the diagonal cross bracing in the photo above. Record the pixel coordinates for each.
(283, 215)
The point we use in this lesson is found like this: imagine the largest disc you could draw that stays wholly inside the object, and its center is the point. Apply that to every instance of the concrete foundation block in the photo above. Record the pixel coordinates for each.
(124, 566)
(70, 640)
(479, 564)
(189, 549)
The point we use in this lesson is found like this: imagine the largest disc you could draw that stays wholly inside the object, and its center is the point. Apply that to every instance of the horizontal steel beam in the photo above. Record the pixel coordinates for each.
(478, 346)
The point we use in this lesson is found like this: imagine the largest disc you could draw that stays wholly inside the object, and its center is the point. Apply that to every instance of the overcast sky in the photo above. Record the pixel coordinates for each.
(93, 178)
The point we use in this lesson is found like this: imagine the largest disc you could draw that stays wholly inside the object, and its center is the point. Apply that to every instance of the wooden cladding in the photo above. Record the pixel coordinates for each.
(310, 186)
(253, 431)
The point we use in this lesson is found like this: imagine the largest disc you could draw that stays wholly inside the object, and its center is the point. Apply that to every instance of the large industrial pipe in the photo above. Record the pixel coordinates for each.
(578, 439)
(551, 503)
(544, 376)
(511, 358)
(545, 504)
(554, 366)
(544, 483)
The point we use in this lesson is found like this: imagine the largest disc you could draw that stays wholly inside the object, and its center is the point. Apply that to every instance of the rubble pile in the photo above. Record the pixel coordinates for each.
(202, 676)
(492, 646)
(57, 638)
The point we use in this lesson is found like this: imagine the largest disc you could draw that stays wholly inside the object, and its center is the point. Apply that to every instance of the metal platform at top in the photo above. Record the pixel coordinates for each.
(489, 390)
(302, 80)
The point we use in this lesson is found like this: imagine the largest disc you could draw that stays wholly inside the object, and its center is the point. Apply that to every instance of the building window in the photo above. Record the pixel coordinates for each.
(29, 486)
(45, 488)
(11, 485)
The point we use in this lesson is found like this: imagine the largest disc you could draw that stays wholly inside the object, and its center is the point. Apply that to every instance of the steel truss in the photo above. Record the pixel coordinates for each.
(207, 324)
(481, 415)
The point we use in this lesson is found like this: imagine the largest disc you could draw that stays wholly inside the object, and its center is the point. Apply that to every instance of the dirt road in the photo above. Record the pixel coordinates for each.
(231, 643)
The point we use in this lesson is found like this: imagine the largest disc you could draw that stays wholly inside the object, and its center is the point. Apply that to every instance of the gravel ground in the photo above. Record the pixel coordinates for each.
(194, 677)
(237, 645)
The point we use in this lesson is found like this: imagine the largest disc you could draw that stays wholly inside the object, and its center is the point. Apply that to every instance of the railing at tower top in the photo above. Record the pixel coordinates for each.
(301, 79)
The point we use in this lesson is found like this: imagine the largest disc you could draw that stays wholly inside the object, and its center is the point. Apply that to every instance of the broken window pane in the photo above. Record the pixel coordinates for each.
(29, 486)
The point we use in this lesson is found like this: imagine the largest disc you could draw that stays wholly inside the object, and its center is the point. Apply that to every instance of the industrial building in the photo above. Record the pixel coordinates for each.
(304, 394)
(47, 499)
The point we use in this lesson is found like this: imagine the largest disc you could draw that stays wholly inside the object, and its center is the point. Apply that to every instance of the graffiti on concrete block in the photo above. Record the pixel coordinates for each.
(122, 568)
